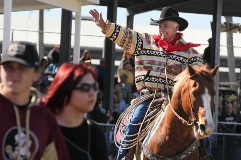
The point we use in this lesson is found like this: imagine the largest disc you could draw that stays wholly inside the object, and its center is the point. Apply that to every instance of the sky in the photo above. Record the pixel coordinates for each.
(195, 20)
(144, 18)
(199, 21)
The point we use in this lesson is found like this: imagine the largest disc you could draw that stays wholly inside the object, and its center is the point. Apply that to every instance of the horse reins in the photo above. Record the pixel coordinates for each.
(174, 112)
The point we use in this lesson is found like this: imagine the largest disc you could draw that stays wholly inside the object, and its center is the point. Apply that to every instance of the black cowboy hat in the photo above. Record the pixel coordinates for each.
(169, 13)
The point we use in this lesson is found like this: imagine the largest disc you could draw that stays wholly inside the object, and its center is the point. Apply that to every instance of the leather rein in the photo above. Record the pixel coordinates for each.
(192, 117)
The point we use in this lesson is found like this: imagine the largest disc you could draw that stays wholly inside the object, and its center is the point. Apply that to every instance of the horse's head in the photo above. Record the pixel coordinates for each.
(196, 88)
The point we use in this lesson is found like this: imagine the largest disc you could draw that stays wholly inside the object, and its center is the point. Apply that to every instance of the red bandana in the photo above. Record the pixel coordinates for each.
(171, 46)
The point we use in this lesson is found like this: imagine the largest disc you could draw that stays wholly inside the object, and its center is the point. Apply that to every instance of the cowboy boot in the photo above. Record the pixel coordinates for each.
(130, 154)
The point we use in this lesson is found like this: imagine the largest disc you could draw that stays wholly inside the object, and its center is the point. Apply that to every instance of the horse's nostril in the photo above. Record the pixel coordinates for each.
(202, 127)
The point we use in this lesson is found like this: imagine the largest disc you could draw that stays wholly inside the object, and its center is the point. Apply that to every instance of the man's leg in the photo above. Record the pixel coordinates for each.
(136, 117)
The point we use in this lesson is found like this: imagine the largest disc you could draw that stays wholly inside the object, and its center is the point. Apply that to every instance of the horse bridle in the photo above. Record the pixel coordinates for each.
(193, 119)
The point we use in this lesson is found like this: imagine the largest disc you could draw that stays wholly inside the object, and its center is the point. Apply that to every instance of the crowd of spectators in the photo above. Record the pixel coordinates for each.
(125, 91)
(228, 113)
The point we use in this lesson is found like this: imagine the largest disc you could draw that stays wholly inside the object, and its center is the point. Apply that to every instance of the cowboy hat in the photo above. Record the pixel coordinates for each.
(169, 13)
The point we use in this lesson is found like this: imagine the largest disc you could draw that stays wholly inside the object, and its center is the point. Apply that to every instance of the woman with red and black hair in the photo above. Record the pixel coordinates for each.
(71, 95)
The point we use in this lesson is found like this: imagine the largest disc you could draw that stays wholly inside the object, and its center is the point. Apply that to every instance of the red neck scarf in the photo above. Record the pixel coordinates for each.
(170, 46)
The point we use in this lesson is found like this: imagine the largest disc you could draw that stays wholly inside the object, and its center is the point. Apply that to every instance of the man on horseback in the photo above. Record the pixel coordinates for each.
(153, 53)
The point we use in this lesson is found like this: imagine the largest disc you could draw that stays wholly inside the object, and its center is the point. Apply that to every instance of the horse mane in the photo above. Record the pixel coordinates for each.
(202, 71)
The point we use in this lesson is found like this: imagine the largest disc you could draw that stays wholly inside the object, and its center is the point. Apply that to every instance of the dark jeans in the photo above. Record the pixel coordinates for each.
(136, 117)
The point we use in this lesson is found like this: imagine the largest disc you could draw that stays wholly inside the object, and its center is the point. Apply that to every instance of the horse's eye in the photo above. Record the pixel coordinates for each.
(195, 86)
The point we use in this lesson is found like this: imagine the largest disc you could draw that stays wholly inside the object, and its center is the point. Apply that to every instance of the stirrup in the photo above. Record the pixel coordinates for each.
(127, 157)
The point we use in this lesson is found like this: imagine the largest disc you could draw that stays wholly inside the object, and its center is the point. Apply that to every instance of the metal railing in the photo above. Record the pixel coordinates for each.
(225, 146)
(108, 128)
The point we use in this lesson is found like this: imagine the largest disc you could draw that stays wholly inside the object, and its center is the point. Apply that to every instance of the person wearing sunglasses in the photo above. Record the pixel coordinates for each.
(71, 95)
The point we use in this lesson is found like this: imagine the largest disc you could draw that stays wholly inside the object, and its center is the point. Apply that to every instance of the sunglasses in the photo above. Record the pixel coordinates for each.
(85, 87)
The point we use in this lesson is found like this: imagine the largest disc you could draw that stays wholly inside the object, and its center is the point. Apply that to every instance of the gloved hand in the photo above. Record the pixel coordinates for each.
(156, 103)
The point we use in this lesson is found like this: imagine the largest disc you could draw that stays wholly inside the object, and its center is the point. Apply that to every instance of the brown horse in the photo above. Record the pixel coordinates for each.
(187, 118)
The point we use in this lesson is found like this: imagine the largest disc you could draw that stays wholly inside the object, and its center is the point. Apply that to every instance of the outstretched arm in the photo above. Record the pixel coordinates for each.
(97, 18)
(124, 37)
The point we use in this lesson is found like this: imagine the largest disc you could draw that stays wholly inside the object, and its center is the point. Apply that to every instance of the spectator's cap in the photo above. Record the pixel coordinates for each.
(171, 14)
(24, 53)
(210, 40)
(124, 76)
(233, 97)
(45, 57)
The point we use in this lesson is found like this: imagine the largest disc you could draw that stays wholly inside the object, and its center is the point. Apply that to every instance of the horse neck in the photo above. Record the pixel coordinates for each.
(176, 124)
(171, 136)
(175, 127)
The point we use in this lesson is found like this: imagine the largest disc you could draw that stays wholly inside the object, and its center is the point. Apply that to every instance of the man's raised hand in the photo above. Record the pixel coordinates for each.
(97, 18)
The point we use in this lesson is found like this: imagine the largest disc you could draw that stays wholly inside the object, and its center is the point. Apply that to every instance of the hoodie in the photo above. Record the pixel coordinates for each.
(31, 132)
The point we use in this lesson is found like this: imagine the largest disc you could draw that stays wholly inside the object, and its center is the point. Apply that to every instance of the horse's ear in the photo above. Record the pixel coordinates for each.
(191, 71)
(214, 71)
(207, 66)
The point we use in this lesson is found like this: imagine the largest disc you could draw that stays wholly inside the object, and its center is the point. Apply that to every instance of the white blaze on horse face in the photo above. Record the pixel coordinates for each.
(206, 98)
